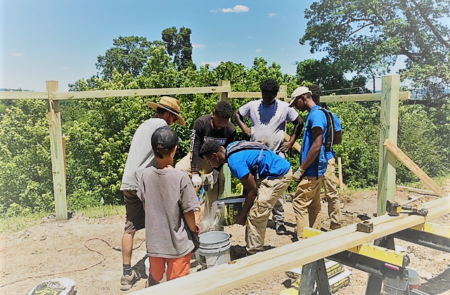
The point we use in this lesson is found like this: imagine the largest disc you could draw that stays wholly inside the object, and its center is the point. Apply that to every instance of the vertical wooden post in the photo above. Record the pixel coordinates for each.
(224, 95)
(225, 168)
(388, 129)
(341, 182)
(56, 148)
(64, 157)
(282, 92)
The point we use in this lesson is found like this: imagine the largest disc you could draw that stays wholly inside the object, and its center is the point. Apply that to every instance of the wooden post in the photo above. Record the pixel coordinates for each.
(340, 173)
(64, 156)
(282, 93)
(224, 95)
(56, 148)
(227, 175)
(388, 130)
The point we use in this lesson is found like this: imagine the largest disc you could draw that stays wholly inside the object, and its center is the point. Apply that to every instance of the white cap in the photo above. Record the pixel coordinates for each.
(297, 92)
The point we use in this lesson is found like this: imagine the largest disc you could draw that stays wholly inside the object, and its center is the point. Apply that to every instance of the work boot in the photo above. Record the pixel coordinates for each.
(280, 228)
(126, 282)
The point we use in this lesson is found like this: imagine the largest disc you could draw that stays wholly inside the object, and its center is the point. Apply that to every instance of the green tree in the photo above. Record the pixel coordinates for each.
(371, 34)
(178, 45)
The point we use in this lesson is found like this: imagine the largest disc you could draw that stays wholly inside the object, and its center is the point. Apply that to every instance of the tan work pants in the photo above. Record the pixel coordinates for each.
(331, 195)
(306, 203)
(212, 194)
(269, 191)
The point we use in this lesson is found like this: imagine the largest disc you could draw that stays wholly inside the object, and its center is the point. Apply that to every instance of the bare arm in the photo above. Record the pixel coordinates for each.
(190, 220)
(249, 183)
(337, 137)
(298, 126)
(315, 148)
(239, 120)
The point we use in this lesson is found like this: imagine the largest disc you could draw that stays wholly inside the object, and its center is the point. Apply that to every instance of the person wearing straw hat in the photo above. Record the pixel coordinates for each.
(141, 156)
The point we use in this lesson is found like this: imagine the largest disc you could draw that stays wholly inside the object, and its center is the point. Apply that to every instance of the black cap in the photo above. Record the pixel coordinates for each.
(164, 138)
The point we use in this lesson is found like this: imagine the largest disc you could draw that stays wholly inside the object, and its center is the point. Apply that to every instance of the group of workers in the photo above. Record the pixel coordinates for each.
(161, 197)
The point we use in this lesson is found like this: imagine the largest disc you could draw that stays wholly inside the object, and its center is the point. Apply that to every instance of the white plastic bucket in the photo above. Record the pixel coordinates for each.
(147, 265)
(214, 249)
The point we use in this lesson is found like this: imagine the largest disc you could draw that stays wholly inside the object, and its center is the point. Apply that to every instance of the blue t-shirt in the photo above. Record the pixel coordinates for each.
(315, 118)
(270, 164)
(337, 128)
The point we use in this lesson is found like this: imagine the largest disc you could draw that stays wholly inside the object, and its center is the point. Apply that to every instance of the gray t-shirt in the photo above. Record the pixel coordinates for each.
(269, 119)
(141, 153)
(167, 194)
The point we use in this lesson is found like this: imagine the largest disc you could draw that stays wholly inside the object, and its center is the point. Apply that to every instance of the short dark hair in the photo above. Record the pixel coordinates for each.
(210, 147)
(269, 85)
(164, 140)
(316, 93)
(223, 109)
(161, 111)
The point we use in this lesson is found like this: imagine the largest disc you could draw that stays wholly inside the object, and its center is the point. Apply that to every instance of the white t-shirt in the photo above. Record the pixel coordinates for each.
(269, 119)
(141, 153)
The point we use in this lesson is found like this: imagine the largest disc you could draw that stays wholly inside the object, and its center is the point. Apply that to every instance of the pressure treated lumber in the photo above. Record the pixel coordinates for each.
(140, 92)
(400, 155)
(416, 190)
(361, 97)
(224, 95)
(281, 94)
(23, 95)
(388, 130)
(56, 152)
(259, 266)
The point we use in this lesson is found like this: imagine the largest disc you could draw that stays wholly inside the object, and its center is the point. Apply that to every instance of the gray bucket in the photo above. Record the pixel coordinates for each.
(214, 249)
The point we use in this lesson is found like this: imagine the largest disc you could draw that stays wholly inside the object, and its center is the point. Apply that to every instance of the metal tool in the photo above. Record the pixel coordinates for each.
(394, 209)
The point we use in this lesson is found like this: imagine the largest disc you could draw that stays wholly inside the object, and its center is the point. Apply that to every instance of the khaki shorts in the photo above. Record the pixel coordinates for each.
(135, 219)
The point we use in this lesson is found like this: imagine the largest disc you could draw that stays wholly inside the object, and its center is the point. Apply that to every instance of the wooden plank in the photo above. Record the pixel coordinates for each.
(361, 97)
(140, 92)
(282, 93)
(224, 95)
(243, 271)
(296, 144)
(416, 190)
(227, 175)
(388, 130)
(244, 95)
(23, 95)
(57, 154)
(341, 182)
(400, 155)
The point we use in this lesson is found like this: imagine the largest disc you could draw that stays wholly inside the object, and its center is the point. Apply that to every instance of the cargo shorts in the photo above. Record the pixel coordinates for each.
(135, 213)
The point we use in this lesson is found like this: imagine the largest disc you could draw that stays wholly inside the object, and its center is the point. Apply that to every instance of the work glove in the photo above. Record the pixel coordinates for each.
(298, 174)
(196, 180)
(211, 178)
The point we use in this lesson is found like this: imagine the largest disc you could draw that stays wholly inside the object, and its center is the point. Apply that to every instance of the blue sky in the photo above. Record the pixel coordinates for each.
(61, 39)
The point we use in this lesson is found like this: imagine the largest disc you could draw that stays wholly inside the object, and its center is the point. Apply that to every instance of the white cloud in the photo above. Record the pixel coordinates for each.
(236, 9)
(272, 14)
(213, 64)
(199, 46)
(17, 54)
(258, 50)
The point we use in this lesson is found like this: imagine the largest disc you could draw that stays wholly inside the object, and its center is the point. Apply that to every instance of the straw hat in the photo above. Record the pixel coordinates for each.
(171, 104)
(297, 92)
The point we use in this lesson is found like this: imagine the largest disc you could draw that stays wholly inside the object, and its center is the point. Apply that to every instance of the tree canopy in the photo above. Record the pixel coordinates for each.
(178, 45)
(371, 34)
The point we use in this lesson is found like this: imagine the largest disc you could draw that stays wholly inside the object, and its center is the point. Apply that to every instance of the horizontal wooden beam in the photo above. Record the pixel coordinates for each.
(416, 190)
(253, 95)
(402, 157)
(361, 97)
(243, 271)
(23, 95)
(140, 92)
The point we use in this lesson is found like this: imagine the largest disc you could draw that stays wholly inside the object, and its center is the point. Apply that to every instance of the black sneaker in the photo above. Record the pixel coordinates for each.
(280, 228)
(126, 282)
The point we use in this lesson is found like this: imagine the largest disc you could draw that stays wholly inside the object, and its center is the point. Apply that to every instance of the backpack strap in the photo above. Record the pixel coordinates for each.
(248, 145)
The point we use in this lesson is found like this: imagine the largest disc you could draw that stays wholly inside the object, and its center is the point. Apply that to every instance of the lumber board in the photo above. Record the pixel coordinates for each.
(416, 190)
(23, 95)
(281, 95)
(243, 271)
(56, 152)
(388, 130)
(139, 92)
(404, 95)
(402, 157)
(224, 95)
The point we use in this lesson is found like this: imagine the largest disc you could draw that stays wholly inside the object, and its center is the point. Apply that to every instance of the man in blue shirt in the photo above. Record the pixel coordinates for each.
(331, 193)
(264, 175)
(313, 162)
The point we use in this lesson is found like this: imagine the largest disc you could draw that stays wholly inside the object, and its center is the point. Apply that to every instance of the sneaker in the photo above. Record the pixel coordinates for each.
(280, 228)
(126, 282)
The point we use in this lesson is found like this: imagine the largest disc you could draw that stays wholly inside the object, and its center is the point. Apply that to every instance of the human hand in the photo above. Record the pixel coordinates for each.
(298, 174)
(240, 218)
(286, 146)
(196, 180)
(247, 131)
(211, 178)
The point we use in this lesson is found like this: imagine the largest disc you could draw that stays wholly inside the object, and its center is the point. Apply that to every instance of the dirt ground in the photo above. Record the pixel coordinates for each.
(54, 247)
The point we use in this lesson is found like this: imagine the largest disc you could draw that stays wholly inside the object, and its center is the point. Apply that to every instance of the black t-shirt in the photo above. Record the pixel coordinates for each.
(203, 131)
